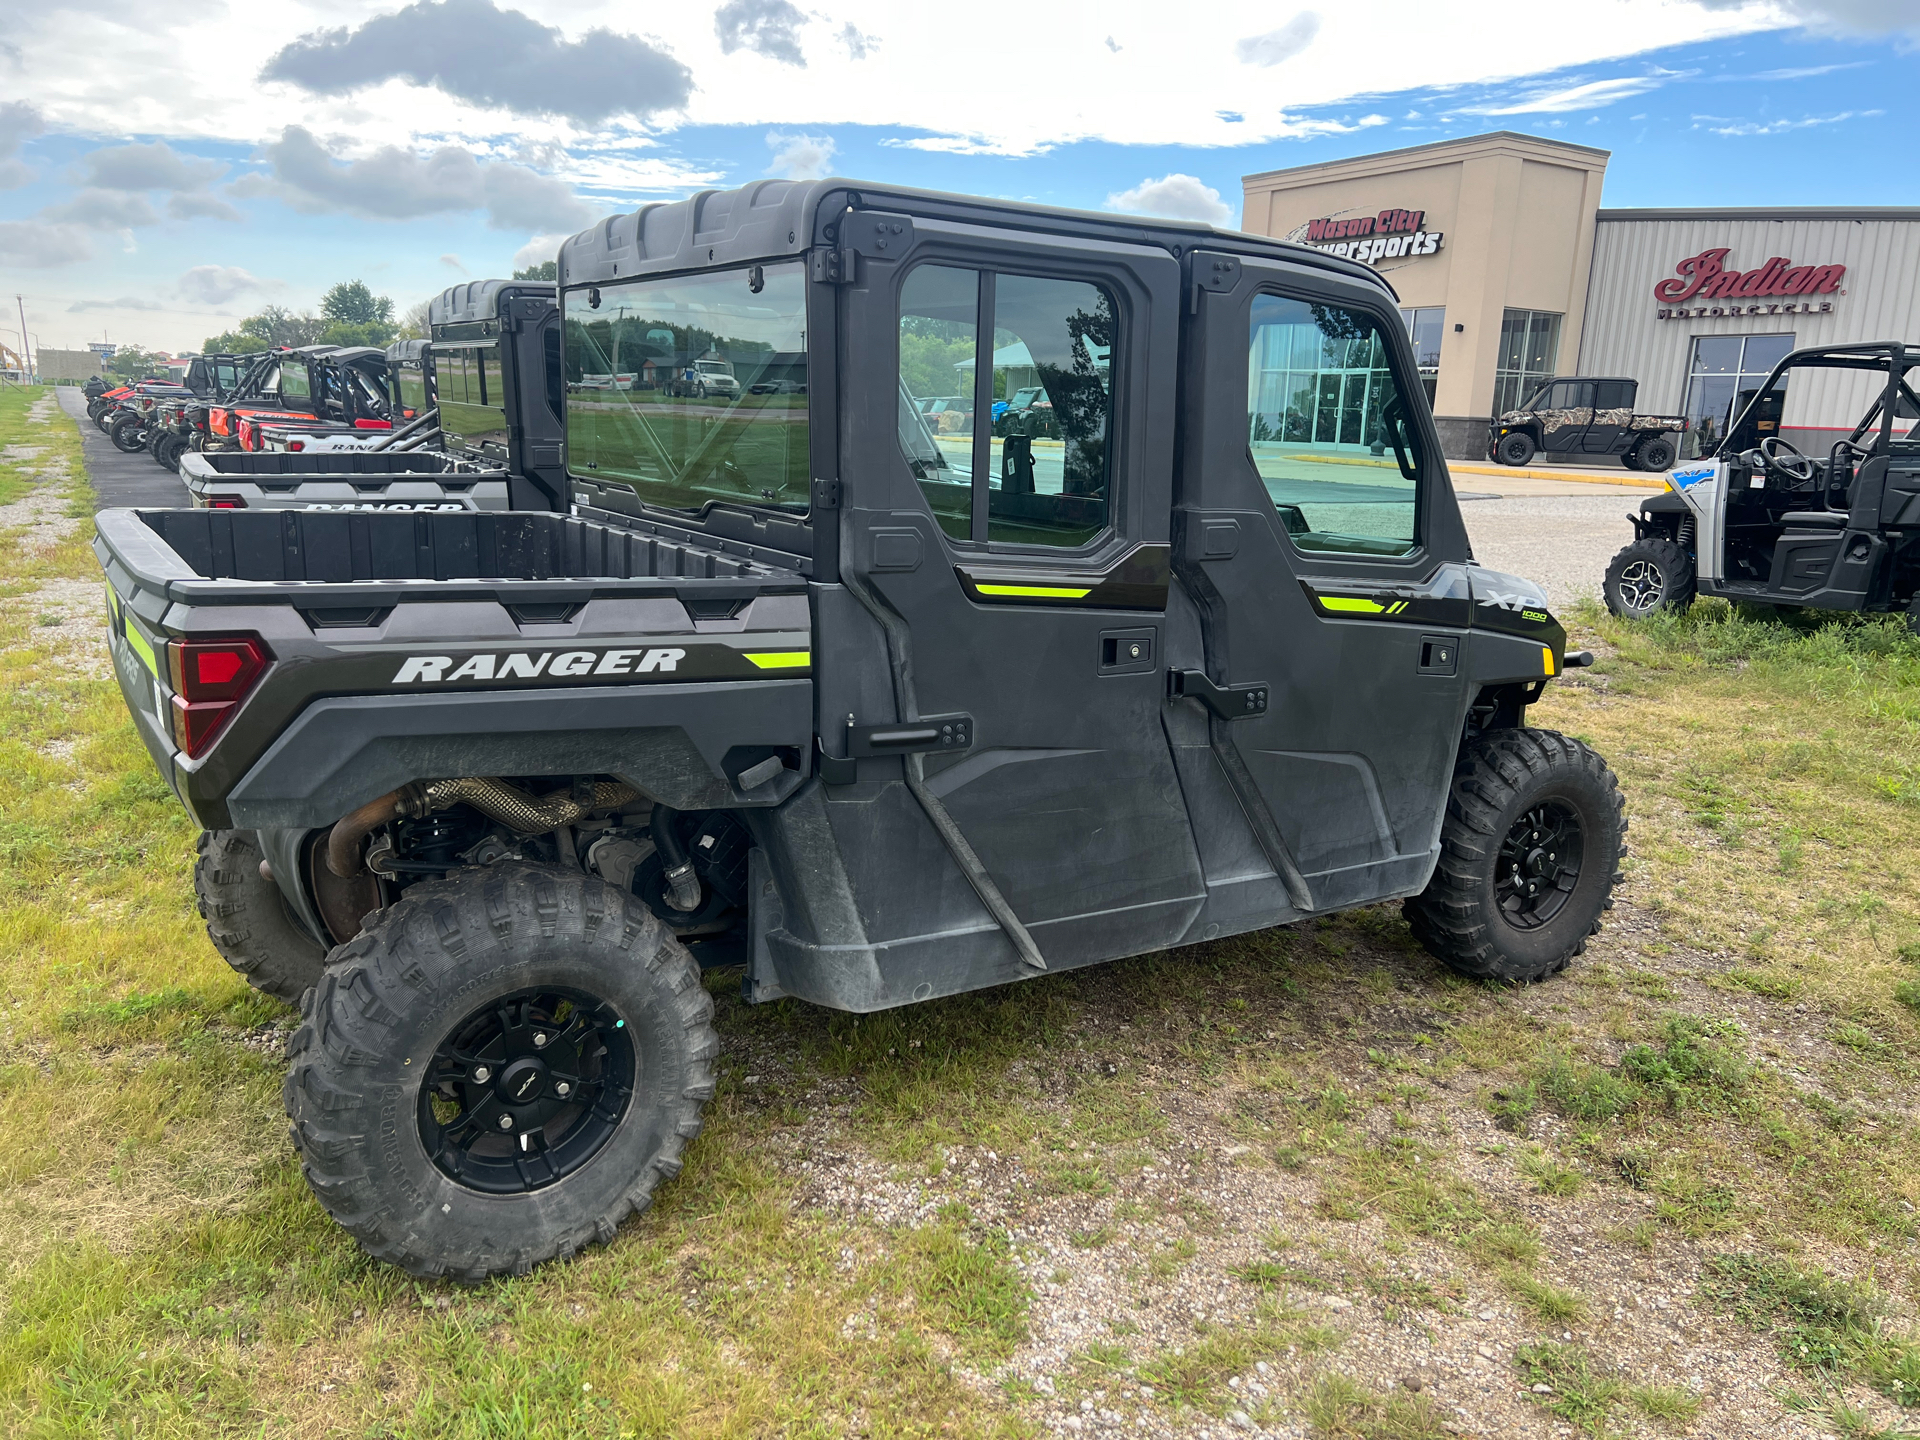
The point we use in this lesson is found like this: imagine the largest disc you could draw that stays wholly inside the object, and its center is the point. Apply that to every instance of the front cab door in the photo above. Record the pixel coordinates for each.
(1327, 568)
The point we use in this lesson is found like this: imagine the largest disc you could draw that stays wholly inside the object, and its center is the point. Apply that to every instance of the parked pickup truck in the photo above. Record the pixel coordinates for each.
(1579, 415)
(341, 480)
(876, 716)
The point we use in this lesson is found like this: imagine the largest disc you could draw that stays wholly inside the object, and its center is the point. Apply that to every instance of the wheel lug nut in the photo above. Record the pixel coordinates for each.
(481, 1074)
(539, 1037)
(506, 1122)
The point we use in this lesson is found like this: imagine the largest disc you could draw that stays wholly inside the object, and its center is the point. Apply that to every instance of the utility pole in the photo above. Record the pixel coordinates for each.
(26, 360)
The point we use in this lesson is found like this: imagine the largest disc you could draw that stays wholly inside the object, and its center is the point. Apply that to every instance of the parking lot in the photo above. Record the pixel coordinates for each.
(1560, 533)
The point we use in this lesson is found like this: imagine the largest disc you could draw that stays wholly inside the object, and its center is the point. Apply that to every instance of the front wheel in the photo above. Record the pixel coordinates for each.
(500, 1068)
(129, 433)
(1648, 576)
(1515, 448)
(1529, 855)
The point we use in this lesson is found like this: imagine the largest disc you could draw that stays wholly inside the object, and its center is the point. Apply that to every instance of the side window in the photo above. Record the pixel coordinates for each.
(939, 326)
(1037, 427)
(1329, 430)
(492, 391)
(294, 384)
(1612, 395)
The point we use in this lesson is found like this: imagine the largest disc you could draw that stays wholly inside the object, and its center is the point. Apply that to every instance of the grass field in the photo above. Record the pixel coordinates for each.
(1300, 1182)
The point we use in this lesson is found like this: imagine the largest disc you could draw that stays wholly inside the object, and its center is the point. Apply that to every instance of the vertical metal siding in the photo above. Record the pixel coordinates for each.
(1879, 299)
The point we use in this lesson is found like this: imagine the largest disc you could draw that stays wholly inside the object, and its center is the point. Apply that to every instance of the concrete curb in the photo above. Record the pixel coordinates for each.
(1638, 482)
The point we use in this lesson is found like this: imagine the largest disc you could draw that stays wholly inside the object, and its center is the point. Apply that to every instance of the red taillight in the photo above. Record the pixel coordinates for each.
(296, 445)
(373, 424)
(210, 679)
(226, 502)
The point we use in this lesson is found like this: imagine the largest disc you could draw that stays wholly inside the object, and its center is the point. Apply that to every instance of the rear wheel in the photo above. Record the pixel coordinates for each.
(1655, 454)
(1529, 855)
(1514, 448)
(1648, 576)
(248, 919)
(498, 1070)
(1631, 459)
(167, 452)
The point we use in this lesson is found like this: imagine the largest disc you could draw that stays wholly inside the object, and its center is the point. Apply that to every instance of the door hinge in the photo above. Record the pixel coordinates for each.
(838, 266)
(1218, 273)
(1229, 702)
(826, 494)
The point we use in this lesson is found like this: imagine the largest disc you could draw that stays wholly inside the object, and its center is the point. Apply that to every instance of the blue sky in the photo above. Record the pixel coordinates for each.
(329, 149)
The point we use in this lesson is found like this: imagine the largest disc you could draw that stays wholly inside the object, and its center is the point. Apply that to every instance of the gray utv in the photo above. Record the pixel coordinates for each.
(875, 710)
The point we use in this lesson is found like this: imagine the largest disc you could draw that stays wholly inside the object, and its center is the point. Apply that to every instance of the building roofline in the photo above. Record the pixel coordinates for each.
(1462, 142)
(1772, 212)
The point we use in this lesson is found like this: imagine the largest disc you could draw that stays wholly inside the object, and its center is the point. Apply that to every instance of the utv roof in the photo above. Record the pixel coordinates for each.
(479, 300)
(773, 218)
(402, 352)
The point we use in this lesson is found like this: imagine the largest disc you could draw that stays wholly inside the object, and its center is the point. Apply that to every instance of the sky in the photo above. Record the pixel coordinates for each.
(165, 171)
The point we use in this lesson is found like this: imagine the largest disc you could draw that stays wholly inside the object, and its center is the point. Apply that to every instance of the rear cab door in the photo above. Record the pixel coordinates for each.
(1327, 577)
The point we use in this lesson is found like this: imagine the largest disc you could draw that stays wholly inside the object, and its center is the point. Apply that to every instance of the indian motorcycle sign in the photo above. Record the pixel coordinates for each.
(1703, 286)
(1390, 235)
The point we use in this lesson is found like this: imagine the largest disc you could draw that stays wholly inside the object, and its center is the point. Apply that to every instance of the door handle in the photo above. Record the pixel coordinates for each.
(1229, 702)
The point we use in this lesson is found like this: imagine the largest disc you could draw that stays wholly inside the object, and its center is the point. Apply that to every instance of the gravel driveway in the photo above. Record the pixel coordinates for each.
(1563, 542)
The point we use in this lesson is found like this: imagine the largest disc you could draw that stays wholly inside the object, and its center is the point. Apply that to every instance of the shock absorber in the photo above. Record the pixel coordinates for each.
(1686, 532)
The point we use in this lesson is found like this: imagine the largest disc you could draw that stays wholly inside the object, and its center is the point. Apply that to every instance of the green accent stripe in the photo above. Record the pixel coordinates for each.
(1351, 604)
(781, 659)
(142, 648)
(1036, 592)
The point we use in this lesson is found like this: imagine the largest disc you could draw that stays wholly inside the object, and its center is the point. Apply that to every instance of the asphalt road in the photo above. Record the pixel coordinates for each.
(120, 479)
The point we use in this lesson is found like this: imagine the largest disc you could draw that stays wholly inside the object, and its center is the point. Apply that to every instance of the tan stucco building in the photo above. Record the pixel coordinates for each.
(1509, 271)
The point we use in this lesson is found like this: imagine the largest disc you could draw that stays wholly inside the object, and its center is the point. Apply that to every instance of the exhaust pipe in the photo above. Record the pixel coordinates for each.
(508, 804)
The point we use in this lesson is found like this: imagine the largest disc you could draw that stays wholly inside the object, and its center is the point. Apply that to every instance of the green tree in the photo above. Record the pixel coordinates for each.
(545, 270)
(134, 362)
(352, 303)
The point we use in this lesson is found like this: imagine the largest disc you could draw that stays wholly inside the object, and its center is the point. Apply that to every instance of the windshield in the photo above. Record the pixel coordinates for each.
(640, 411)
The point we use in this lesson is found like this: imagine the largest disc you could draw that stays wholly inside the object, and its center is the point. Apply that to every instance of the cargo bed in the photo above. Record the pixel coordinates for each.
(400, 647)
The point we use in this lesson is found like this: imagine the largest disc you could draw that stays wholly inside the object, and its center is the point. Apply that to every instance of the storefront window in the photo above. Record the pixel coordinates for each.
(1727, 371)
(1424, 327)
(1529, 350)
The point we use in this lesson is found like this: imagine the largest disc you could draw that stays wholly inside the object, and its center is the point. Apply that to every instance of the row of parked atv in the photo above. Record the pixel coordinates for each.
(310, 397)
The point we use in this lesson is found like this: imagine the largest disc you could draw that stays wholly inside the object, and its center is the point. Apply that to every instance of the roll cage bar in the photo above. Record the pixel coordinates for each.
(1891, 356)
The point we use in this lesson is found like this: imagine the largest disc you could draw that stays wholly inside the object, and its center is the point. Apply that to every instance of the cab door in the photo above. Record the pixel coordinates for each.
(1027, 562)
(1329, 597)
(1567, 416)
(1612, 410)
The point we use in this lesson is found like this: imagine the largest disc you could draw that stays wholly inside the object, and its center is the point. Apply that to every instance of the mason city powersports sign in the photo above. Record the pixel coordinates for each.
(1390, 235)
(1703, 286)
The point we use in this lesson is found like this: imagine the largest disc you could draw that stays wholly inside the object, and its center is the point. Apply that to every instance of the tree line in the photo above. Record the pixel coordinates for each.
(350, 314)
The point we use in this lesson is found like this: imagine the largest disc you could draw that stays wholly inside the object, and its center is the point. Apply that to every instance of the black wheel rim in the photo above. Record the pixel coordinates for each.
(1539, 865)
(526, 1090)
(1641, 586)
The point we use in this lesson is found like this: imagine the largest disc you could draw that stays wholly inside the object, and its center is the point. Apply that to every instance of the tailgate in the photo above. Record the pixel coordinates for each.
(398, 652)
(341, 480)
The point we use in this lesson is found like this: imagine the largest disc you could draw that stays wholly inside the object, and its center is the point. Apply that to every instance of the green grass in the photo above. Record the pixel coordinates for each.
(1832, 1328)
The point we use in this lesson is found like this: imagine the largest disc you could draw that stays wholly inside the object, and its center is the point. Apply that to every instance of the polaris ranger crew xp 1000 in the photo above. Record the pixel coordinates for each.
(876, 713)
(1756, 519)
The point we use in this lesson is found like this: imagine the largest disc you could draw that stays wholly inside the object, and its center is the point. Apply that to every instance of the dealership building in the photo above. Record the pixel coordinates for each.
(1510, 271)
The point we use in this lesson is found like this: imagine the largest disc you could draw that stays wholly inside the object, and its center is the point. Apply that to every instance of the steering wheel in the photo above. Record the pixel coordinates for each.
(1783, 457)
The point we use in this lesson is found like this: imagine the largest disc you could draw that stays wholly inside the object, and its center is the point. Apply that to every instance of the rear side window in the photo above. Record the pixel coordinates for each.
(1036, 426)
(1613, 395)
(1329, 429)
(472, 407)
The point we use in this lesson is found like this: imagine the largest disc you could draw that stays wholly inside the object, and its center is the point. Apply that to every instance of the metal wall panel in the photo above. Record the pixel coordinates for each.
(1879, 299)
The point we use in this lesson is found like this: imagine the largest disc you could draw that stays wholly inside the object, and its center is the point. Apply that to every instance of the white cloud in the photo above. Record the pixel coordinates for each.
(538, 250)
(147, 167)
(36, 245)
(103, 210)
(125, 302)
(1853, 19)
(800, 157)
(1177, 197)
(1278, 46)
(454, 262)
(217, 284)
(396, 184)
(1047, 81)
(1780, 127)
(1586, 96)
